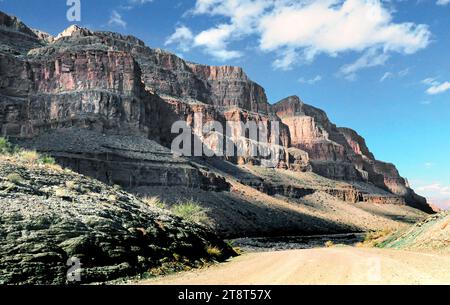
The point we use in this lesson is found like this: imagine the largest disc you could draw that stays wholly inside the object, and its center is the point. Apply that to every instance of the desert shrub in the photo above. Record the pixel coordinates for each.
(191, 211)
(28, 156)
(47, 160)
(155, 202)
(329, 244)
(214, 251)
(5, 147)
(374, 239)
(14, 178)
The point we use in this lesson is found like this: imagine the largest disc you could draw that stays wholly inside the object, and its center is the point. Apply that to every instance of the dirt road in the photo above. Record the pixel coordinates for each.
(322, 266)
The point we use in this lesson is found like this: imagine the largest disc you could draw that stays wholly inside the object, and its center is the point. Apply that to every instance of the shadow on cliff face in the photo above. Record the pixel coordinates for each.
(114, 123)
(234, 215)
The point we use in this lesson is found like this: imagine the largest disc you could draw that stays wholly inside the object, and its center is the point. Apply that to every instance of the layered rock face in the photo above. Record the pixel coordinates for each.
(15, 36)
(340, 153)
(115, 85)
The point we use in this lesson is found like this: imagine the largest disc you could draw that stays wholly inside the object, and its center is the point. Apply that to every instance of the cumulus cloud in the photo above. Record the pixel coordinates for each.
(243, 17)
(214, 41)
(183, 37)
(298, 31)
(116, 20)
(443, 2)
(436, 87)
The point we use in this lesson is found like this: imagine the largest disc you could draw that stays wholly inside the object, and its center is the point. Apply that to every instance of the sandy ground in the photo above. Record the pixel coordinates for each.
(345, 265)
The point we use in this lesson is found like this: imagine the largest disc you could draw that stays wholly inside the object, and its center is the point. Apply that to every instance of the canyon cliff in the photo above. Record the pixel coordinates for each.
(103, 104)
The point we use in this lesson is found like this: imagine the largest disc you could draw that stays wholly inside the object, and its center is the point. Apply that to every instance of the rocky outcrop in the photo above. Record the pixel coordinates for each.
(114, 85)
(341, 153)
(126, 160)
(357, 143)
(311, 130)
(16, 38)
(51, 218)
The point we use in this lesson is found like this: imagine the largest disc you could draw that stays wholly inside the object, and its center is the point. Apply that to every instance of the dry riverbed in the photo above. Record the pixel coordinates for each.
(336, 265)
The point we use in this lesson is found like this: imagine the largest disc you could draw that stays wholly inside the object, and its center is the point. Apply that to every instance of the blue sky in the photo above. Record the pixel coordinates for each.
(379, 67)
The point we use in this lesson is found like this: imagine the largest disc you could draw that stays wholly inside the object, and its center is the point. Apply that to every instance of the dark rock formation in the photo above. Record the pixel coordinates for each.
(49, 216)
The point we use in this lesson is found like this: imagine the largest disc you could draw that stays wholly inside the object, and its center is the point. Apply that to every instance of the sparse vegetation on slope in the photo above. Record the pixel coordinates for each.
(155, 201)
(432, 234)
(191, 211)
(49, 215)
(30, 157)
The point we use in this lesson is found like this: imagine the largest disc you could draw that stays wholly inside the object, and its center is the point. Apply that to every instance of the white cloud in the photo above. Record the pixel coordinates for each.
(131, 4)
(300, 30)
(435, 190)
(436, 87)
(437, 193)
(310, 81)
(371, 58)
(116, 20)
(183, 37)
(333, 27)
(429, 165)
(214, 42)
(285, 62)
(243, 17)
(386, 76)
(440, 88)
(443, 2)
(404, 72)
(389, 75)
(139, 1)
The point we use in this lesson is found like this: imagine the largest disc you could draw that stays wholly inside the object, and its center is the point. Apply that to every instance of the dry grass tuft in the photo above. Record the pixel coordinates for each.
(214, 252)
(155, 202)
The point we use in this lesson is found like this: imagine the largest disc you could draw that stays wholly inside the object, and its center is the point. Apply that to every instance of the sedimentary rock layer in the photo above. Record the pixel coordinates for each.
(116, 85)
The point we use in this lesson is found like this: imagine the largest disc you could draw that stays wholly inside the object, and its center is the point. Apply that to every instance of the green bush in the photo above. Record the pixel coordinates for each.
(22, 155)
(192, 211)
(47, 160)
(5, 147)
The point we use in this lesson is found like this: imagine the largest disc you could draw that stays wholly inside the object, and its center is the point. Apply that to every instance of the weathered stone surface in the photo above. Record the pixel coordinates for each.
(126, 160)
(15, 37)
(115, 85)
(48, 216)
(340, 153)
